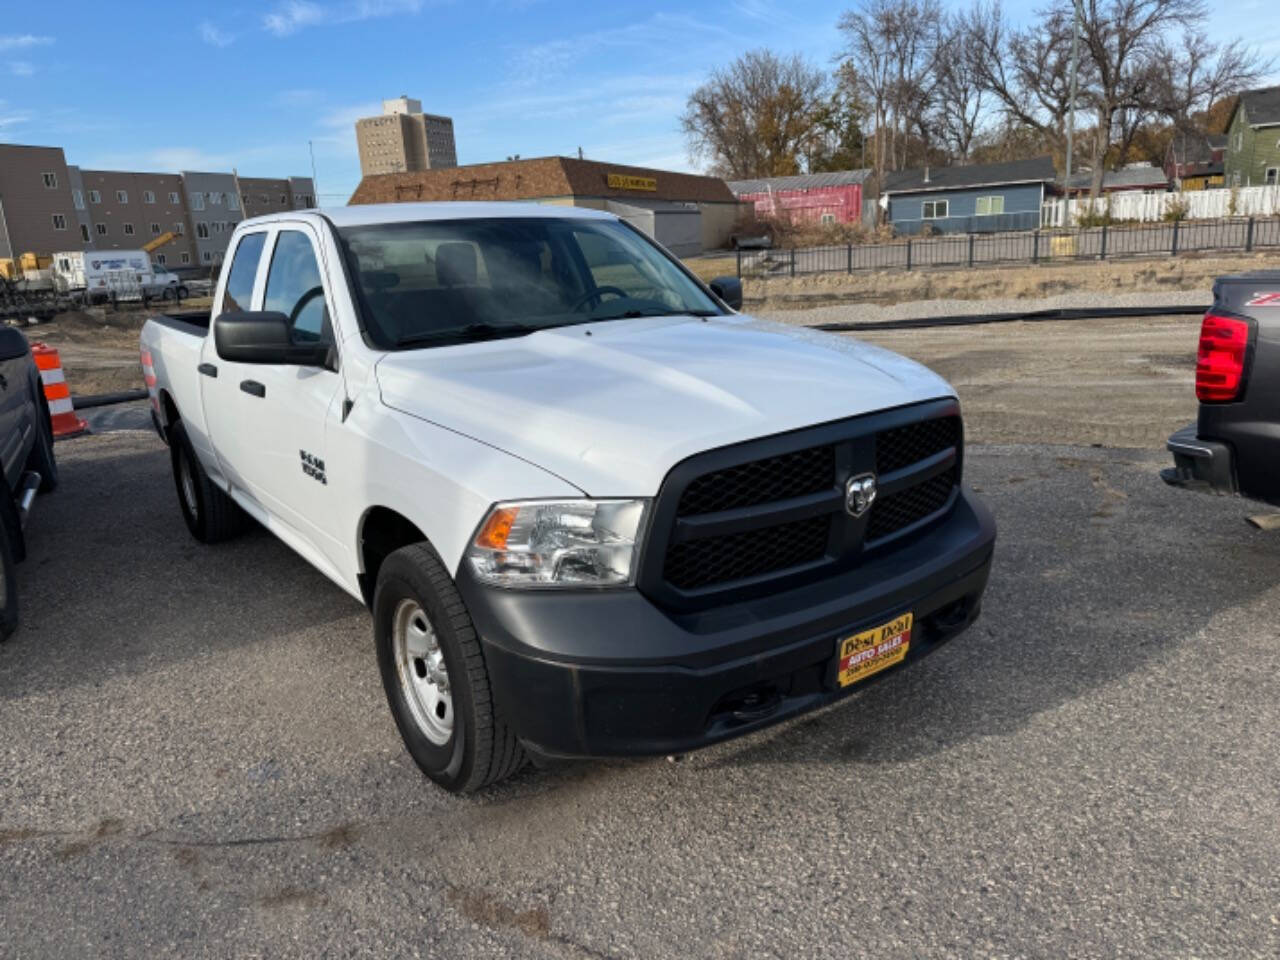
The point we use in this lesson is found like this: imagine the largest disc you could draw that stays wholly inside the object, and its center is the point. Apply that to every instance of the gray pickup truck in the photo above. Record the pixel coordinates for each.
(27, 463)
(1234, 445)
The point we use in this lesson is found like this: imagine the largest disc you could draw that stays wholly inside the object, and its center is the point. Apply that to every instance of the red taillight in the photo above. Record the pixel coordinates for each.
(1220, 361)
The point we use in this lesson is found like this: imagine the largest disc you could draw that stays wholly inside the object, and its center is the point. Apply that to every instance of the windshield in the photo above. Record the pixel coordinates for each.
(441, 281)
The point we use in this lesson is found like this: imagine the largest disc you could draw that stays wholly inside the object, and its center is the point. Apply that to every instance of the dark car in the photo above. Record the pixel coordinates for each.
(27, 463)
(1234, 445)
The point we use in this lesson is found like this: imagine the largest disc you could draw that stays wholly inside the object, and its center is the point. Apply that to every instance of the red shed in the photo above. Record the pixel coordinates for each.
(827, 197)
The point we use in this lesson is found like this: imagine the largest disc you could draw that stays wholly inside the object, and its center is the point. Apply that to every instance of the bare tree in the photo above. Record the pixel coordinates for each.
(758, 116)
(1123, 39)
(892, 46)
(959, 96)
(1193, 73)
(1027, 72)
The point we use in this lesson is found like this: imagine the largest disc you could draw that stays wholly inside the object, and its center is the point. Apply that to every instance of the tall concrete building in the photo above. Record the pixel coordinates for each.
(405, 140)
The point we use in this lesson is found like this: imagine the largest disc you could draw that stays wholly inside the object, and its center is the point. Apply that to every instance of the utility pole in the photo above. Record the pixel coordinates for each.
(1076, 19)
(315, 184)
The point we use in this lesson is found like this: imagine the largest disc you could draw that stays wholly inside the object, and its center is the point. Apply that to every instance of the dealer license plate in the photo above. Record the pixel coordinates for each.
(874, 650)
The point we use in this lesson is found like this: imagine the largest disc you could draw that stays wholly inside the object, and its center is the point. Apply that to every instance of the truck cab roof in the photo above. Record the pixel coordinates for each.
(376, 213)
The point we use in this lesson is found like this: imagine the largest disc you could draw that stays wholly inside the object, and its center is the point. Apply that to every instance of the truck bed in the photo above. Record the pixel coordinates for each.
(194, 322)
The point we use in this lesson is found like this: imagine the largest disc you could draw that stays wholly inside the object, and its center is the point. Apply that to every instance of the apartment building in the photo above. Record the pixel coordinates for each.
(405, 140)
(263, 195)
(214, 209)
(36, 210)
(121, 210)
(48, 206)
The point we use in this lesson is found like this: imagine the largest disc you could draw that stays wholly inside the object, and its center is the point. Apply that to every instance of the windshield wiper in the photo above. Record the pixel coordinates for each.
(470, 333)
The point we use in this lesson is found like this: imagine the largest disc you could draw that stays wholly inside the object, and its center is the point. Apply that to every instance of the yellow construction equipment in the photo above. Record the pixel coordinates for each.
(160, 241)
(34, 261)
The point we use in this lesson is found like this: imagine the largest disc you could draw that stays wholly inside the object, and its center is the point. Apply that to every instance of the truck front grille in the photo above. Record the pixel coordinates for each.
(701, 563)
(736, 520)
(760, 481)
(905, 445)
(900, 510)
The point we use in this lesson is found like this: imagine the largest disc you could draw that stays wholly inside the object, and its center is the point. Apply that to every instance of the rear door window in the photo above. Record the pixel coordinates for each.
(295, 289)
(238, 295)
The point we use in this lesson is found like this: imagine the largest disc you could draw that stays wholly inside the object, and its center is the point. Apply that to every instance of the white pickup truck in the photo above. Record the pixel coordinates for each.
(594, 510)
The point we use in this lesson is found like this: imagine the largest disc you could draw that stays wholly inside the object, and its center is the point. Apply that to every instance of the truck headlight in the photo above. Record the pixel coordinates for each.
(563, 543)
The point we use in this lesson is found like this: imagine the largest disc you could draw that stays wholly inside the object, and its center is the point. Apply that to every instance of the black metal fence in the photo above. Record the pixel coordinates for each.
(1030, 246)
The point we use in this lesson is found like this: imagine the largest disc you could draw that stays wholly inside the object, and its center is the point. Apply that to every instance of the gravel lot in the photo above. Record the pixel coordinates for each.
(196, 759)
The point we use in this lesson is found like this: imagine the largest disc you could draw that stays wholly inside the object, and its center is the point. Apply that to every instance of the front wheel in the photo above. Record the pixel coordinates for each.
(434, 675)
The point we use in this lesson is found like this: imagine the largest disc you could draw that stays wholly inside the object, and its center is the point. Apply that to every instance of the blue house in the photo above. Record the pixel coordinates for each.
(977, 199)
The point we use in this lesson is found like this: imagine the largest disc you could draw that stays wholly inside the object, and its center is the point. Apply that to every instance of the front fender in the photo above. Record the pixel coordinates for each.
(440, 480)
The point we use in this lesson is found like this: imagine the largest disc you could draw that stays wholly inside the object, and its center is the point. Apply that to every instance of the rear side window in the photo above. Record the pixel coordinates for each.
(294, 288)
(244, 268)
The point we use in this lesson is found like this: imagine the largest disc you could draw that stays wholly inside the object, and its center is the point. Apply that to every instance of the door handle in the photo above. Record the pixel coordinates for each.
(208, 369)
(253, 387)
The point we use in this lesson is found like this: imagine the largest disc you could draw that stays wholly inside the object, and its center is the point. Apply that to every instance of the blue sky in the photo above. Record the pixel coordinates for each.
(170, 86)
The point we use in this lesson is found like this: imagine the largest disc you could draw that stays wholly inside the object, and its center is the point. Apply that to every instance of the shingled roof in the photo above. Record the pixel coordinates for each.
(1035, 170)
(1128, 177)
(1261, 107)
(536, 179)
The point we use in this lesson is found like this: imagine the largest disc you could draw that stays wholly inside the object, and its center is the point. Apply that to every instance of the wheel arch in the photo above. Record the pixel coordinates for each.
(169, 414)
(382, 531)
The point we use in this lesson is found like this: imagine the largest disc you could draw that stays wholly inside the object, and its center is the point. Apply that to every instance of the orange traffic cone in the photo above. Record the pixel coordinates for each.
(61, 411)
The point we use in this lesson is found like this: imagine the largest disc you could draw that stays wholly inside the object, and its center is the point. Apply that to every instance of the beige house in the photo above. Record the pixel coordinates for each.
(405, 140)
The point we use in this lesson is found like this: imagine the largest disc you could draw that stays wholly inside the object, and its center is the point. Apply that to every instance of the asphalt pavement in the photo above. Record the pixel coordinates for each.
(196, 760)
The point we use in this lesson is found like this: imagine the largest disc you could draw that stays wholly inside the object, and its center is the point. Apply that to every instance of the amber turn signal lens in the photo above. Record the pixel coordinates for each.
(493, 535)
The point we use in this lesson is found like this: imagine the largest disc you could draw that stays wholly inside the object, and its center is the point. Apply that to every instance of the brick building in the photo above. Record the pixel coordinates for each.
(686, 212)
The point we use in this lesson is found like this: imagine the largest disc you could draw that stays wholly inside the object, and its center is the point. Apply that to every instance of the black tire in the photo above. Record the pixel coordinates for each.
(481, 749)
(41, 459)
(183, 293)
(211, 515)
(9, 586)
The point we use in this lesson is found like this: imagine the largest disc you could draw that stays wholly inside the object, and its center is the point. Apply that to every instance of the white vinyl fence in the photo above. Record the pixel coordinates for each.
(1152, 207)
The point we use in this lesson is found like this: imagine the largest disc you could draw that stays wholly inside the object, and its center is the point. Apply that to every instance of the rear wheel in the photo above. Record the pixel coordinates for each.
(41, 459)
(211, 515)
(182, 292)
(434, 675)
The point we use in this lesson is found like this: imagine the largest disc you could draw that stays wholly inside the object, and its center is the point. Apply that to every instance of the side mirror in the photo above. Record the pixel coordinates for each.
(728, 289)
(263, 338)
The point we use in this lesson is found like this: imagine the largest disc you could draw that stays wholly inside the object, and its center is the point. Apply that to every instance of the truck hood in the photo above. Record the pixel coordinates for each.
(610, 407)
